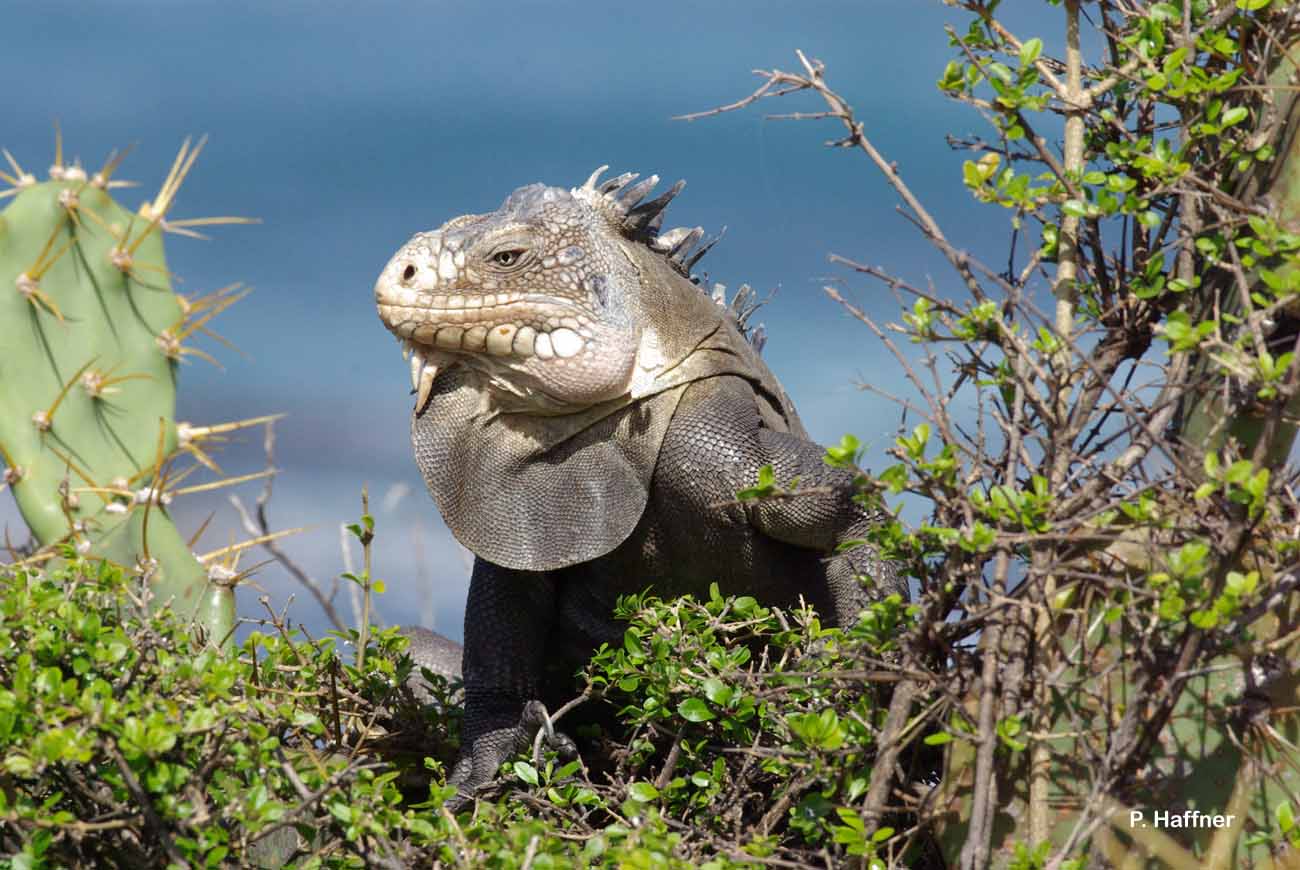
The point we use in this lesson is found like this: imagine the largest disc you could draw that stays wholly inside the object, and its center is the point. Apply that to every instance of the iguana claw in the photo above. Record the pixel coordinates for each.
(537, 718)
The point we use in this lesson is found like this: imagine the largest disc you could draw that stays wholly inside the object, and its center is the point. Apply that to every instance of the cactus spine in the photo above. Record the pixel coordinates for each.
(91, 335)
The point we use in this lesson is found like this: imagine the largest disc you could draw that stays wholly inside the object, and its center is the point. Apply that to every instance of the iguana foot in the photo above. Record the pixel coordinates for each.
(536, 717)
(483, 756)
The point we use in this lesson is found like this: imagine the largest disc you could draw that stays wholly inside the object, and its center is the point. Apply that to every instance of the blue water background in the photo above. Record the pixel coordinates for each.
(346, 127)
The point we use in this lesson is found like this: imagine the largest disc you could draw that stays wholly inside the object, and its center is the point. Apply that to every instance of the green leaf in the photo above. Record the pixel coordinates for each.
(1171, 607)
(694, 710)
(1235, 115)
(19, 764)
(1150, 218)
(952, 77)
(851, 818)
(1174, 60)
(845, 454)
(1030, 51)
(526, 772)
(717, 691)
(765, 486)
(1285, 817)
(642, 792)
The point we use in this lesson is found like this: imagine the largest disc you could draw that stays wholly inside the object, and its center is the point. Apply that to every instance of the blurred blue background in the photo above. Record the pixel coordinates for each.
(347, 127)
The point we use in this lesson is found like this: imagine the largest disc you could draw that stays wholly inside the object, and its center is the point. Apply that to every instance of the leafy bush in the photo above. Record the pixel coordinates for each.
(743, 734)
(126, 741)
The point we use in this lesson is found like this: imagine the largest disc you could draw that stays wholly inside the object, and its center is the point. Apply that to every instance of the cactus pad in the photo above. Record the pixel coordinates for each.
(91, 334)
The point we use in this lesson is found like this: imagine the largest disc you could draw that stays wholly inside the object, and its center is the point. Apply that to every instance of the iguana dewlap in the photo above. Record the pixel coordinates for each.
(584, 417)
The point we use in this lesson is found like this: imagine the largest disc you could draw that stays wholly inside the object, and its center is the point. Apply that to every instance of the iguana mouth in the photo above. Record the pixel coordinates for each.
(504, 324)
(436, 331)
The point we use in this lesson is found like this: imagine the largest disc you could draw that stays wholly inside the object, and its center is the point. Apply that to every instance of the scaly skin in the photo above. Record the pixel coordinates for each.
(431, 650)
(584, 417)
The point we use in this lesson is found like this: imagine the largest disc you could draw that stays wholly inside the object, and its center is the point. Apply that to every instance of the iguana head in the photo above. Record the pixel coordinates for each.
(555, 300)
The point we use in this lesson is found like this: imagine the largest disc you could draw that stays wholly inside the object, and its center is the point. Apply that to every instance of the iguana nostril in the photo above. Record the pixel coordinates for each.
(408, 273)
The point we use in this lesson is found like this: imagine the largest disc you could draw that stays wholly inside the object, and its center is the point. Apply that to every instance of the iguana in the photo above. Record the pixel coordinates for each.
(584, 417)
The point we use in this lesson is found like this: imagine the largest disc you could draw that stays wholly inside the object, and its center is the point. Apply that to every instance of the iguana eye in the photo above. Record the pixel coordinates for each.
(508, 258)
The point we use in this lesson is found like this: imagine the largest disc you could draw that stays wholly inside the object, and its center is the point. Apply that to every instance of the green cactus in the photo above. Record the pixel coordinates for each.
(91, 334)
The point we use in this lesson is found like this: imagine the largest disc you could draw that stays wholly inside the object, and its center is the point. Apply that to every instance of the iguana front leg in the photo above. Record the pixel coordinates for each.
(823, 520)
(716, 446)
(507, 618)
